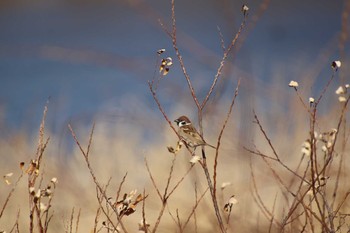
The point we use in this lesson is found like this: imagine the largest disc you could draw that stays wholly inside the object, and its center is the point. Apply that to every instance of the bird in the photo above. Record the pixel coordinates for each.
(188, 133)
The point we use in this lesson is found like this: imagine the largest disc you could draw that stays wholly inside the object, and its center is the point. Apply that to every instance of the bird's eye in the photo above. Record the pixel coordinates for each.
(182, 123)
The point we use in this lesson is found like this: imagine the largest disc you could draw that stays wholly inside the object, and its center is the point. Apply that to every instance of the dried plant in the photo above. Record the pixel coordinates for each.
(120, 208)
(40, 197)
(309, 193)
(310, 205)
(212, 181)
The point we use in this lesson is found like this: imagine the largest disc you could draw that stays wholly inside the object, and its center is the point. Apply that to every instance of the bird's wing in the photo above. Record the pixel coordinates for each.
(193, 135)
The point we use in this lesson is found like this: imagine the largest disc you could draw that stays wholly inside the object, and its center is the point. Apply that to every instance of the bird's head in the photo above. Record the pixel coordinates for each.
(182, 120)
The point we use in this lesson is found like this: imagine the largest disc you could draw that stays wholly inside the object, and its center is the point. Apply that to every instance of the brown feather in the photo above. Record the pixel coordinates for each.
(189, 134)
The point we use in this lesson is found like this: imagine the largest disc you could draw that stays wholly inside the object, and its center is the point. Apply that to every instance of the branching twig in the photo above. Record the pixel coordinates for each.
(194, 208)
(222, 63)
(180, 181)
(153, 181)
(165, 196)
(98, 186)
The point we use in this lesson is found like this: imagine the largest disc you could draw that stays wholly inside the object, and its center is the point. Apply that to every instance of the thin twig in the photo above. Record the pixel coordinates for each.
(96, 219)
(94, 178)
(265, 135)
(302, 102)
(257, 121)
(222, 63)
(152, 179)
(120, 187)
(10, 194)
(220, 136)
(159, 217)
(100, 197)
(165, 29)
(144, 222)
(71, 221)
(221, 39)
(194, 212)
(165, 196)
(325, 89)
(273, 211)
(178, 219)
(211, 188)
(178, 54)
(161, 108)
(194, 208)
(296, 200)
(257, 197)
(16, 225)
(32, 174)
(181, 179)
(77, 221)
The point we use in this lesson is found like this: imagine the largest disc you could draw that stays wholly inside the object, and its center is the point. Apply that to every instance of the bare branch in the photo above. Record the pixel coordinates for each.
(220, 135)
(194, 208)
(222, 63)
(221, 39)
(179, 56)
(10, 194)
(180, 181)
(120, 187)
(152, 179)
(94, 178)
(161, 108)
(165, 196)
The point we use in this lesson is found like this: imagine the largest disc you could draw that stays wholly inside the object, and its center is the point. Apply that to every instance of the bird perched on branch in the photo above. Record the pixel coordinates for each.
(188, 133)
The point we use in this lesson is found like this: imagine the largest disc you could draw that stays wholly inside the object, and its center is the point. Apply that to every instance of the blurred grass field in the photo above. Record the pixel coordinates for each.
(120, 147)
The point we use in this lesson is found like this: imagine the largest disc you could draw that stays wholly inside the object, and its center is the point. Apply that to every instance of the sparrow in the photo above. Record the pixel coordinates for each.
(188, 133)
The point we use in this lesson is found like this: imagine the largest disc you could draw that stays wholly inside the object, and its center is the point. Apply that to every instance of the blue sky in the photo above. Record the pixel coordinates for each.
(85, 55)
